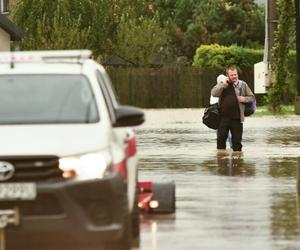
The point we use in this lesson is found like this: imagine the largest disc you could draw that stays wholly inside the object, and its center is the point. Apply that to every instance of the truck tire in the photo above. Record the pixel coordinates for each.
(135, 221)
(124, 243)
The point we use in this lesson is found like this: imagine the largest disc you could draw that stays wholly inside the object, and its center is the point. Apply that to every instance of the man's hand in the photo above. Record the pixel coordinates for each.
(241, 98)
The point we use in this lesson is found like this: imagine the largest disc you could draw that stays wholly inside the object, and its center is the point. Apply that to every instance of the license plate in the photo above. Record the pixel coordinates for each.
(17, 191)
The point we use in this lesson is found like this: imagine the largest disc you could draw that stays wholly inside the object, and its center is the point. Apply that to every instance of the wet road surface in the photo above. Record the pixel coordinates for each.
(224, 201)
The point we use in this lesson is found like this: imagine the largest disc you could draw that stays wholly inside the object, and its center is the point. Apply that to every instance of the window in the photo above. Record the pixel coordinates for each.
(4, 4)
(107, 96)
(29, 99)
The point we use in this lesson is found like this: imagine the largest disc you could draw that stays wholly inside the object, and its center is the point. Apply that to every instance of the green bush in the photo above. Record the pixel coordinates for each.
(220, 57)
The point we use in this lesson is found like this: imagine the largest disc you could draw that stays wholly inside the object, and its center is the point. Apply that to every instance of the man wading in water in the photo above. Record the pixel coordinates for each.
(232, 93)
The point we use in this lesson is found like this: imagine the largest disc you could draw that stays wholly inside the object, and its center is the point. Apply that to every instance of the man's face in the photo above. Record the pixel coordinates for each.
(232, 75)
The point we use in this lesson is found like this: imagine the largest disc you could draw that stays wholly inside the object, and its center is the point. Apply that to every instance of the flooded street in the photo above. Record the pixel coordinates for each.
(223, 201)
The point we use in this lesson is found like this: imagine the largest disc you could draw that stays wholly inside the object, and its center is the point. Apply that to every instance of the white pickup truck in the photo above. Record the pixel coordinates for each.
(68, 163)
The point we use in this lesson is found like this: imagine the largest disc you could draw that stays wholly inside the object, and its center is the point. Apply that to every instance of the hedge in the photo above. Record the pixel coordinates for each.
(217, 56)
(220, 57)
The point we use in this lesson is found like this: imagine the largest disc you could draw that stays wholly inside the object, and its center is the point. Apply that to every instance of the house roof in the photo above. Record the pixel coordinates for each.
(117, 60)
(15, 32)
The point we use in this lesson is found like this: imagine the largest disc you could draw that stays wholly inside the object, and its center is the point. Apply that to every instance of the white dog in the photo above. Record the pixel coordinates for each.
(222, 79)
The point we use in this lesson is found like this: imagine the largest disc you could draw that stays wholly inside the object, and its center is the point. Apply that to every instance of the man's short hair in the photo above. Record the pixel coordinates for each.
(230, 68)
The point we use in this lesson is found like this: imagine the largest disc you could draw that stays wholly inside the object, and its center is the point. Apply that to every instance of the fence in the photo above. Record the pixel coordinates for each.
(167, 87)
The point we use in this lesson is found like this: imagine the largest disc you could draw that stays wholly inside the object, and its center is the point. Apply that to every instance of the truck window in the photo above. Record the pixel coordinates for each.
(52, 98)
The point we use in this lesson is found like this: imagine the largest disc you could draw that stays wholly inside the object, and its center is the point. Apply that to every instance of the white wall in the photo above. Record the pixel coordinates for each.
(261, 1)
(4, 40)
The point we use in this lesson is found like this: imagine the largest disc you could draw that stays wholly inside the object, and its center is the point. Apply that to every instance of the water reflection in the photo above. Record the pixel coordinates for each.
(155, 224)
(285, 225)
(229, 163)
(284, 136)
(283, 167)
(224, 201)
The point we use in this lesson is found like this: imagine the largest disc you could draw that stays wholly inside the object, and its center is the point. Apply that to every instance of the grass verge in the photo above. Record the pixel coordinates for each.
(286, 110)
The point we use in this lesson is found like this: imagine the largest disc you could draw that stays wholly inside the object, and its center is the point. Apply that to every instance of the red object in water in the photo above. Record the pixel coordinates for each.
(145, 195)
(157, 197)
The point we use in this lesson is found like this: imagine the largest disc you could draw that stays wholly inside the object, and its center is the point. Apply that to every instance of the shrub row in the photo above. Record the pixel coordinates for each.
(220, 57)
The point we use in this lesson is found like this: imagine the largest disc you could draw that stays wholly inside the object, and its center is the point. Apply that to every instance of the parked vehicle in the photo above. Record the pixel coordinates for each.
(68, 162)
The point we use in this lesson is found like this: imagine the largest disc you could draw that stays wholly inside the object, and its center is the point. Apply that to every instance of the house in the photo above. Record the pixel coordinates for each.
(9, 32)
(116, 60)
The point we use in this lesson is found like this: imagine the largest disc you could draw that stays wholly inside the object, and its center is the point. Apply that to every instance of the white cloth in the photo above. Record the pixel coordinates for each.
(220, 79)
(213, 100)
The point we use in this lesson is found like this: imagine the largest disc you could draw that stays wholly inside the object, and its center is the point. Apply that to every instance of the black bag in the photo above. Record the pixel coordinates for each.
(250, 108)
(211, 117)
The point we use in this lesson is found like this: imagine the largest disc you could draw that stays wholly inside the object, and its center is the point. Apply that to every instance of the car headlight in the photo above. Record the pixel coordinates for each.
(88, 166)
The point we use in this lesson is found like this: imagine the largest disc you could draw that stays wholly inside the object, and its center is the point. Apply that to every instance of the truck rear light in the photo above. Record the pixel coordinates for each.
(121, 169)
(131, 147)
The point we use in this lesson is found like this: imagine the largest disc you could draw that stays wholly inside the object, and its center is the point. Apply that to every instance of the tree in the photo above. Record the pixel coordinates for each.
(49, 31)
(139, 39)
(279, 84)
(98, 24)
(92, 24)
(224, 22)
(50, 25)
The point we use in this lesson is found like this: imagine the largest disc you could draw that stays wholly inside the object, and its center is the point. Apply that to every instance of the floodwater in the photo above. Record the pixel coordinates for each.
(223, 201)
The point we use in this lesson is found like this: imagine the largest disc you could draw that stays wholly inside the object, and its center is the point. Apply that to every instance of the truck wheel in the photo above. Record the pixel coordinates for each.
(124, 243)
(164, 193)
(135, 221)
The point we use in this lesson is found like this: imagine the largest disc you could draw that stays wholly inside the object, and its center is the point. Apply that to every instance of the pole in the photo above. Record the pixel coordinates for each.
(272, 26)
(266, 45)
(297, 5)
(297, 99)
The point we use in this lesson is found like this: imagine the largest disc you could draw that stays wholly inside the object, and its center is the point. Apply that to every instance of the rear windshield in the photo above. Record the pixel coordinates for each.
(30, 99)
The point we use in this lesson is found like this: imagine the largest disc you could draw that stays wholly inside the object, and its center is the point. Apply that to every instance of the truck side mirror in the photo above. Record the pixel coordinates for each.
(127, 116)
